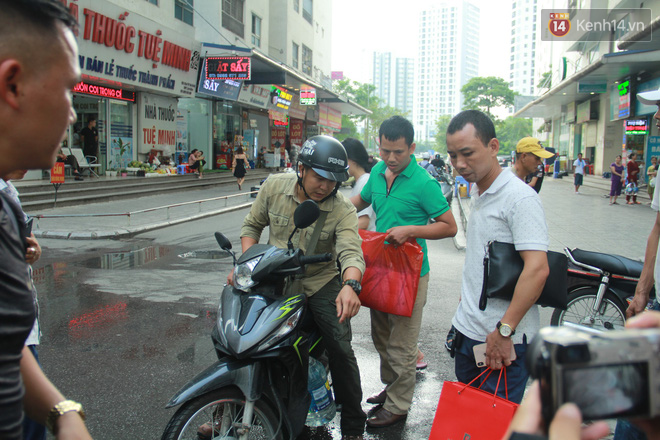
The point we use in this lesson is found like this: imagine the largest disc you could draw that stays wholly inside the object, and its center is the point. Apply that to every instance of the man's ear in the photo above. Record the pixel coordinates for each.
(412, 148)
(11, 72)
(494, 146)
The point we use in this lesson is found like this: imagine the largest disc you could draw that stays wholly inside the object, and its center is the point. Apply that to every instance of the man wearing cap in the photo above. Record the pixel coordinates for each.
(529, 156)
(503, 209)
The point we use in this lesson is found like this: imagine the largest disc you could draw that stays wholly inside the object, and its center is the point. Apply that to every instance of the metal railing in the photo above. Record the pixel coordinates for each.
(131, 214)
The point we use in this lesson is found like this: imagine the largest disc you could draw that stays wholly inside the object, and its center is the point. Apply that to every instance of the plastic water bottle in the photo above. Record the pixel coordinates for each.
(322, 409)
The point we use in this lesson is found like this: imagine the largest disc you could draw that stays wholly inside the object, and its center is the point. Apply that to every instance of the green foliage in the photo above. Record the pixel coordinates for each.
(510, 131)
(486, 93)
(441, 125)
(546, 80)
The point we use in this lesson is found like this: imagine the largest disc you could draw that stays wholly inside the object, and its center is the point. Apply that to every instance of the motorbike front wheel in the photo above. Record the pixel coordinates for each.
(222, 409)
(610, 316)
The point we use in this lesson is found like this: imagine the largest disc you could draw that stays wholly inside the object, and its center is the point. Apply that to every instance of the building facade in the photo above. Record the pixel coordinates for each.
(167, 76)
(522, 70)
(448, 56)
(589, 103)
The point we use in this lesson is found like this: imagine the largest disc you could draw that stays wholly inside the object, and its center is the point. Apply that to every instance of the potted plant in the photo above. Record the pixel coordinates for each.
(111, 172)
(123, 172)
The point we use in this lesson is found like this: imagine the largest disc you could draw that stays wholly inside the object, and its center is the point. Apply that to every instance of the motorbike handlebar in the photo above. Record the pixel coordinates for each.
(311, 259)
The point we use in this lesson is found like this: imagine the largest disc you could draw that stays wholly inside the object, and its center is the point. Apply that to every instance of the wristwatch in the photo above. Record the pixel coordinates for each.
(60, 409)
(355, 285)
(506, 331)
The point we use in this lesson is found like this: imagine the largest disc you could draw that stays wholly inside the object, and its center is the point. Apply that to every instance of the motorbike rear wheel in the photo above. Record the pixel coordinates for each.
(610, 316)
(222, 409)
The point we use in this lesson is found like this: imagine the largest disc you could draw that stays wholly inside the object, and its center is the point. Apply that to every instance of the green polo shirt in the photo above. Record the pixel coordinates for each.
(414, 198)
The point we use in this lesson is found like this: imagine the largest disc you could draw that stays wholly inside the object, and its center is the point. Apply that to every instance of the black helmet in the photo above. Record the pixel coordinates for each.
(326, 156)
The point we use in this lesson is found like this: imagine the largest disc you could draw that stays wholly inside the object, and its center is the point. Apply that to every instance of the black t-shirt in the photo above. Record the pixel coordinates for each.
(538, 173)
(89, 141)
(438, 163)
(17, 315)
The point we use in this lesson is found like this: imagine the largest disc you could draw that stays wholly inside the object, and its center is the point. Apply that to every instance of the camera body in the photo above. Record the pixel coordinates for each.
(606, 374)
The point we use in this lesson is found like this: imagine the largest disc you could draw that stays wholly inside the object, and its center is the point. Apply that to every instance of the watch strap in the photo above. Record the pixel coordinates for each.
(355, 285)
(60, 409)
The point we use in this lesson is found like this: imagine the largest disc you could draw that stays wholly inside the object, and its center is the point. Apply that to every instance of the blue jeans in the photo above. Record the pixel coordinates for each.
(516, 373)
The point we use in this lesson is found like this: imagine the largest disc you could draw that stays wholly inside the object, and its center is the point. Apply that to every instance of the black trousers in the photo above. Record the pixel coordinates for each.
(343, 364)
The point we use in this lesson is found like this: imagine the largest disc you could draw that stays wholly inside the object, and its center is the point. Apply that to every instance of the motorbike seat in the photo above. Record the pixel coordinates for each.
(614, 264)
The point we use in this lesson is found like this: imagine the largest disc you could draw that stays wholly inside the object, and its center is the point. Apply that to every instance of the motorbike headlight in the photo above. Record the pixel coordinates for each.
(285, 328)
(243, 274)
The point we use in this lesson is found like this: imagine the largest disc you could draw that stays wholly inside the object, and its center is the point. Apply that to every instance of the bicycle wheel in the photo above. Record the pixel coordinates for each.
(222, 409)
(610, 316)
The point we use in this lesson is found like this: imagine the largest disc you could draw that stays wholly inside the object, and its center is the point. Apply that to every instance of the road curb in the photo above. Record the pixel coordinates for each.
(131, 231)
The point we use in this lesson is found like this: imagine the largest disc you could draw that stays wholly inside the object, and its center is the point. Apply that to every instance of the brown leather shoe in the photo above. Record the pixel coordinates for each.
(378, 399)
(383, 418)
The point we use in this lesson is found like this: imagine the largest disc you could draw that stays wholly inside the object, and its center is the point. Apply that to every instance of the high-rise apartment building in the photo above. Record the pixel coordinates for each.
(448, 57)
(523, 47)
(382, 77)
(394, 79)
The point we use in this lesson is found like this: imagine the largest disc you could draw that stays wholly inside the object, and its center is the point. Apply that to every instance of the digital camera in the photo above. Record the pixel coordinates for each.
(606, 374)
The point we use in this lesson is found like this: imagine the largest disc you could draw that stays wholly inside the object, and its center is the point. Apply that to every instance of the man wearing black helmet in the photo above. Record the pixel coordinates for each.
(332, 296)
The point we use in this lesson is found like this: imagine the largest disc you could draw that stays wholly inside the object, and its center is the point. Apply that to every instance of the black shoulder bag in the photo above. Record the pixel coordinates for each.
(503, 266)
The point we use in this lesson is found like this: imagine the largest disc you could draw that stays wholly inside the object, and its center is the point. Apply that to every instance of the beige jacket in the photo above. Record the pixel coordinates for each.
(274, 207)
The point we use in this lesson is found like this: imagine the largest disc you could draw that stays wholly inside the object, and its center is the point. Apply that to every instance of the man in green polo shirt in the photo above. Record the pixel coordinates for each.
(404, 197)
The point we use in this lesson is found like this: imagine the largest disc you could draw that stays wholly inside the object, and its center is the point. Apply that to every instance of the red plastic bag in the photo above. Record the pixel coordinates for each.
(389, 283)
(465, 412)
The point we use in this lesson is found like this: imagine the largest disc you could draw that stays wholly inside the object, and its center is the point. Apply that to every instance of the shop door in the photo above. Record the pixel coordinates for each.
(122, 150)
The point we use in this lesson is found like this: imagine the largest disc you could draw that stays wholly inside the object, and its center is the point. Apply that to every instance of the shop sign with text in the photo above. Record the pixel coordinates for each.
(329, 117)
(281, 98)
(118, 47)
(157, 123)
(254, 95)
(104, 92)
(227, 89)
(307, 96)
(236, 68)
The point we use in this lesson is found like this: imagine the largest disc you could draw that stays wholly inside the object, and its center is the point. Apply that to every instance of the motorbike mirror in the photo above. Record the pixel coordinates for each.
(223, 241)
(225, 245)
(305, 214)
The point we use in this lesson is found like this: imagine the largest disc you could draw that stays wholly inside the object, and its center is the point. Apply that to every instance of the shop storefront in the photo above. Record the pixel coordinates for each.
(133, 70)
(650, 139)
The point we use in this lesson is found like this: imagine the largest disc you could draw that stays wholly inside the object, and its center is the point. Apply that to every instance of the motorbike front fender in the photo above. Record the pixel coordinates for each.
(223, 373)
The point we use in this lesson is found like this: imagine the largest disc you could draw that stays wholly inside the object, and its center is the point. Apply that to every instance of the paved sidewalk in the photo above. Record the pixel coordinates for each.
(109, 220)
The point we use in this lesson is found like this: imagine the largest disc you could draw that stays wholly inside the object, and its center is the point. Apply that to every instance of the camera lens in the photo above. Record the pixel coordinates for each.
(574, 354)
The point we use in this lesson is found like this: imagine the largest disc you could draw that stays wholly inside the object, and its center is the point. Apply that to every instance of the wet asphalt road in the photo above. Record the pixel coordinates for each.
(127, 323)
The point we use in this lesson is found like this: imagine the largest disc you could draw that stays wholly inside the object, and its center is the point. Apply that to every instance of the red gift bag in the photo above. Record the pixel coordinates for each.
(389, 283)
(465, 412)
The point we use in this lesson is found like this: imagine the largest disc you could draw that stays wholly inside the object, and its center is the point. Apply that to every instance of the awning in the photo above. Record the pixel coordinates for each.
(611, 67)
(266, 70)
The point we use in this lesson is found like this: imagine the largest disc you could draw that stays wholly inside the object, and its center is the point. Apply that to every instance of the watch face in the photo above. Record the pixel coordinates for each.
(505, 330)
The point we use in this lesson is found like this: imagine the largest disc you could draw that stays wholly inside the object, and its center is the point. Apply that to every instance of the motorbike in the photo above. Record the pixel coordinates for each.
(258, 387)
(600, 289)
(446, 183)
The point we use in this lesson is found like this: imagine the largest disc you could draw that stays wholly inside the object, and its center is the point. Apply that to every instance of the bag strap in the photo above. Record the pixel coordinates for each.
(483, 300)
(311, 245)
(489, 371)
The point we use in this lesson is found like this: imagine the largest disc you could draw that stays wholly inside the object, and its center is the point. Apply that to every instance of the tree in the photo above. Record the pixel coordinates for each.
(441, 125)
(487, 93)
(510, 131)
(546, 80)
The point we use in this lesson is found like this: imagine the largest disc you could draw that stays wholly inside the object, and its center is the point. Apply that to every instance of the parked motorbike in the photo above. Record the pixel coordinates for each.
(258, 387)
(600, 288)
(447, 184)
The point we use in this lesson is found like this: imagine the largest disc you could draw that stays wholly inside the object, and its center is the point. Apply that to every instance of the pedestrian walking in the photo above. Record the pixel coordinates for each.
(404, 197)
(578, 165)
(239, 165)
(38, 69)
(633, 173)
(617, 179)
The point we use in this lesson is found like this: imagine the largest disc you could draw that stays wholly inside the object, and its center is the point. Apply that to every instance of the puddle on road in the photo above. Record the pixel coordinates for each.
(206, 255)
(128, 259)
